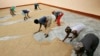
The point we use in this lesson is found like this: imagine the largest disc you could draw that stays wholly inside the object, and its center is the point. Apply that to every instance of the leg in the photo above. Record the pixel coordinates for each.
(72, 39)
(45, 26)
(46, 35)
(58, 19)
(94, 48)
(28, 15)
(12, 13)
(47, 32)
(35, 7)
(38, 7)
(25, 17)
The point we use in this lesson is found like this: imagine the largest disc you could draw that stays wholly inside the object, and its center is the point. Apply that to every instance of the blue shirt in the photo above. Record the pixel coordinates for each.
(42, 20)
(25, 11)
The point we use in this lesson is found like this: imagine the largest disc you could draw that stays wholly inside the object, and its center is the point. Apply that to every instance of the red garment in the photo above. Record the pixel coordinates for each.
(58, 19)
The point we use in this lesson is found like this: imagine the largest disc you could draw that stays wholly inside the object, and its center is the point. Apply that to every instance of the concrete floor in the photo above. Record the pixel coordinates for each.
(17, 38)
(71, 19)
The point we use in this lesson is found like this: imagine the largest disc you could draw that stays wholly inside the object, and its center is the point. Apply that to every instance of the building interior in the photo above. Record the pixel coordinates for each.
(18, 37)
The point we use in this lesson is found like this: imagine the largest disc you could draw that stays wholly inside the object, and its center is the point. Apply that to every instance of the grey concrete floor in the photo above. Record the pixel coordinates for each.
(92, 26)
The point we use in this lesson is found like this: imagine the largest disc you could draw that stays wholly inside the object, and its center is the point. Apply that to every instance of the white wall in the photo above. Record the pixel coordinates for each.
(88, 6)
(9, 3)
